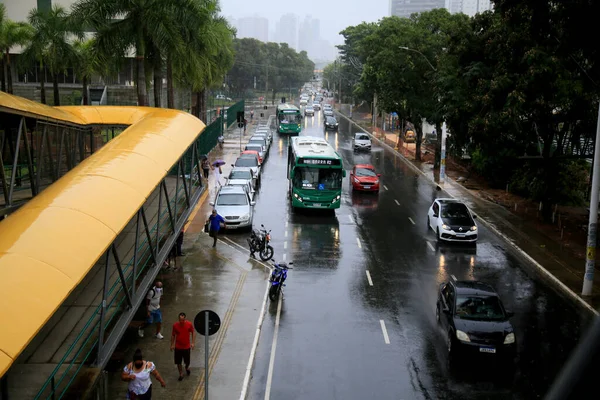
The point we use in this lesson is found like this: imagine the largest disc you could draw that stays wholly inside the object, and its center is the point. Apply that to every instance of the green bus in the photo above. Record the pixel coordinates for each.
(315, 171)
(289, 118)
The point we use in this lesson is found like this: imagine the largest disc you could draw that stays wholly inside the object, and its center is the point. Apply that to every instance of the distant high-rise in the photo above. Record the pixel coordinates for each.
(472, 7)
(253, 27)
(286, 31)
(404, 8)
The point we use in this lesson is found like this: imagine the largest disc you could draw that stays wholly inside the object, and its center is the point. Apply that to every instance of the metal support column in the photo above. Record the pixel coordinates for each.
(40, 159)
(13, 175)
(60, 150)
(121, 275)
(50, 159)
(148, 235)
(163, 185)
(185, 188)
(28, 152)
(135, 252)
(3, 178)
(156, 248)
(103, 306)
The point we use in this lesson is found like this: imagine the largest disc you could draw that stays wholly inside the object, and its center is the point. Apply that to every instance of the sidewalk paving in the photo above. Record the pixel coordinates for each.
(549, 257)
(224, 280)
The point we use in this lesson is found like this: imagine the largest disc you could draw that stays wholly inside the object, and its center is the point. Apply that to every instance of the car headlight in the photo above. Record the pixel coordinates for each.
(474, 228)
(245, 217)
(510, 338)
(356, 180)
(376, 182)
(446, 227)
(336, 198)
(460, 335)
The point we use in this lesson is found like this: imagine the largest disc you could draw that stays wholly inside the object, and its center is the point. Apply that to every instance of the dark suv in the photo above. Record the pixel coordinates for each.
(331, 123)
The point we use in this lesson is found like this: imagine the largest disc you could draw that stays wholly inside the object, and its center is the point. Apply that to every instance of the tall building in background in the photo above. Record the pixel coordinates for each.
(286, 31)
(17, 10)
(472, 7)
(454, 6)
(253, 27)
(404, 8)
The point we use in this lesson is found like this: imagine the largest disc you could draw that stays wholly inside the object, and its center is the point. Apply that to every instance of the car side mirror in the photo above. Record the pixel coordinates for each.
(474, 216)
(232, 165)
(378, 175)
(351, 173)
(344, 173)
(252, 203)
(212, 203)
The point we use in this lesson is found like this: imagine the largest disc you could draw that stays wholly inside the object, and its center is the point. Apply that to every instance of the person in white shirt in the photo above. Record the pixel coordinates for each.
(153, 312)
(138, 373)
(218, 173)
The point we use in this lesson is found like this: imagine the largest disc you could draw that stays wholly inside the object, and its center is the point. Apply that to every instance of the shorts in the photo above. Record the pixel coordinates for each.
(182, 354)
(155, 316)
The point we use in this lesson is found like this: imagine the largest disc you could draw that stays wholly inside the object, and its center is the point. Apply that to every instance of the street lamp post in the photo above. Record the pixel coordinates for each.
(444, 132)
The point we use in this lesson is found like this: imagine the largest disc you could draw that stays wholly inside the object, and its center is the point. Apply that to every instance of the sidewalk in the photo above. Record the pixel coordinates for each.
(224, 280)
(552, 260)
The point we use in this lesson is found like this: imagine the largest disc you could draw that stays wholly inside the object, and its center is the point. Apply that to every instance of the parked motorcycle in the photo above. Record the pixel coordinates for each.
(277, 279)
(259, 242)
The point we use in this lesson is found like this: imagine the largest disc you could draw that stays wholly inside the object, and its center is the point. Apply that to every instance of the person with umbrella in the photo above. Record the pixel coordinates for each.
(218, 172)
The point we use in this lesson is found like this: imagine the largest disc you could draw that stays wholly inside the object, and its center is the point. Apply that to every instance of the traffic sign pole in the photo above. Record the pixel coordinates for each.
(206, 318)
(206, 323)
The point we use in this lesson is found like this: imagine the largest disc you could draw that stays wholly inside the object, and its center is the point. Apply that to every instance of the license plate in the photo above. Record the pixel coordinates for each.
(487, 350)
(367, 187)
(316, 204)
(461, 235)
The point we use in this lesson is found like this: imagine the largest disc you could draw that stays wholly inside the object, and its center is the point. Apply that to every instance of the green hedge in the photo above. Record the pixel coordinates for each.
(233, 110)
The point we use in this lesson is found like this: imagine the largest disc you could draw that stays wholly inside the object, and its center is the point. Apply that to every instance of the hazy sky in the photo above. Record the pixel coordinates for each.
(335, 15)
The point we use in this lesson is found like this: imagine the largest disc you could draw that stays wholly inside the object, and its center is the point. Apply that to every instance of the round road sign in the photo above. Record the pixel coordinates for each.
(214, 322)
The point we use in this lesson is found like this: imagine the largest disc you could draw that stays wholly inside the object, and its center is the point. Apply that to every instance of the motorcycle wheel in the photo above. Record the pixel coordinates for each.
(267, 253)
(274, 292)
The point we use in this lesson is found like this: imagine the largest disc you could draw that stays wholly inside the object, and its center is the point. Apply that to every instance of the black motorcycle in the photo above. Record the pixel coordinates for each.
(259, 242)
(277, 279)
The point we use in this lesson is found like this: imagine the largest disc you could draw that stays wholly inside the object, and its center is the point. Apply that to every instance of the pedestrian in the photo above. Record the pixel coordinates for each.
(215, 221)
(205, 167)
(181, 345)
(245, 123)
(179, 243)
(153, 312)
(138, 373)
(251, 115)
(218, 173)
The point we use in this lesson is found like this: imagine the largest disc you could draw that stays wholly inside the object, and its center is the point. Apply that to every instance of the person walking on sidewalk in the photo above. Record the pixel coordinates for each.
(214, 222)
(181, 345)
(251, 115)
(205, 167)
(138, 373)
(153, 311)
(218, 173)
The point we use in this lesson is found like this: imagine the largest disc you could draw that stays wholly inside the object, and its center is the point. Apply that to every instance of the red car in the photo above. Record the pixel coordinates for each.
(364, 177)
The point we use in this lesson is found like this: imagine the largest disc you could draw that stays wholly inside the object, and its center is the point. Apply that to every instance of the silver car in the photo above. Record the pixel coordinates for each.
(248, 162)
(233, 203)
(264, 136)
(362, 141)
(258, 148)
(246, 185)
(316, 105)
(309, 111)
(243, 174)
(327, 113)
(260, 140)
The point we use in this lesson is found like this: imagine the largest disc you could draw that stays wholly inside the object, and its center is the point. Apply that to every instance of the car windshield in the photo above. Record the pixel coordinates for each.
(232, 199)
(317, 178)
(331, 120)
(479, 308)
(246, 162)
(362, 137)
(257, 142)
(255, 148)
(244, 175)
(455, 210)
(365, 172)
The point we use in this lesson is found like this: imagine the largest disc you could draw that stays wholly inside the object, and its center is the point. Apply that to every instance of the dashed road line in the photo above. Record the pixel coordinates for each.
(386, 338)
(385, 187)
(454, 278)
(284, 256)
(397, 202)
(351, 219)
(273, 350)
(358, 243)
(430, 245)
(369, 278)
(411, 220)
(285, 233)
(285, 245)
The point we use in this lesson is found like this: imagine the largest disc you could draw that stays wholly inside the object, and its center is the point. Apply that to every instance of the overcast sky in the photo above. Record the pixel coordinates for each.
(335, 15)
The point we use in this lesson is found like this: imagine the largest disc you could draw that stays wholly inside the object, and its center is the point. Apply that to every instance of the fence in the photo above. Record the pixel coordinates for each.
(232, 111)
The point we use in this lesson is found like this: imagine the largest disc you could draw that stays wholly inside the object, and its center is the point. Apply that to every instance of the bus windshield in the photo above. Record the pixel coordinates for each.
(290, 118)
(317, 178)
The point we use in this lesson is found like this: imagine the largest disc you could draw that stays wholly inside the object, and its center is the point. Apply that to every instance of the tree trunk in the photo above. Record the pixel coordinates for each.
(170, 90)
(438, 146)
(42, 84)
(550, 176)
(9, 81)
(84, 82)
(202, 106)
(140, 84)
(157, 82)
(3, 74)
(419, 139)
(56, 91)
(198, 95)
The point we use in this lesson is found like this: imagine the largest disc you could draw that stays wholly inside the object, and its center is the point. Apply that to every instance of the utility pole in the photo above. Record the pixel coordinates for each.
(590, 260)
(443, 155)
(267, 85)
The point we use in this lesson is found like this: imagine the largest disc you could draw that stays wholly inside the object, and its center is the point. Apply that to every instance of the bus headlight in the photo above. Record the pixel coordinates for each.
(337, 198)
(298, 197)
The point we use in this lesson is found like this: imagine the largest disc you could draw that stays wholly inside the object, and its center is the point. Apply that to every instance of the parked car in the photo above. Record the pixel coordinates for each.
(331, 123)
(327, 113)
(258, 148)
(362, 141)
(452, 221)
(249, 161)
(243, 174)
(308, 110)
(264, 136)
(246, 185)
(303, 101)
(364, 178)
(262, 140)
(475, 321)
(233, 203)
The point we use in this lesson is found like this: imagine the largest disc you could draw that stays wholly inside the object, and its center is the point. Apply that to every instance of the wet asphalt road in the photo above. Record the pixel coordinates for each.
(330, 342)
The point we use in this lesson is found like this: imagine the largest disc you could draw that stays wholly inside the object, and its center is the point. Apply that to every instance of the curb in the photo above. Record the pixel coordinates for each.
(564, 288)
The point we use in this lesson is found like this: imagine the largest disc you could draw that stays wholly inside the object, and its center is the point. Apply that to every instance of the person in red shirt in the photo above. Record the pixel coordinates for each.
(180, 343)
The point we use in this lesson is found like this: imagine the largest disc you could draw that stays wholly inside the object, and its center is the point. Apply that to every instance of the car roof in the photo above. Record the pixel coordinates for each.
(448, 201)
(367, 166)
(232, 190)
(250, 152)
(331, 117)
(256, 138)
(361, 134)
(476, 288)
(246, 169)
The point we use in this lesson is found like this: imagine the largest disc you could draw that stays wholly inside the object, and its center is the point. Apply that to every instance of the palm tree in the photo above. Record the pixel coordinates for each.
(88, 63)
(11, 34)
(51, 45)
(141, 25)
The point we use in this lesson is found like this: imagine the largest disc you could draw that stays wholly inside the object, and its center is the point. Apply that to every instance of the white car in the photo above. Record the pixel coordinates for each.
(452, 221)
(303, 102)
(309, 111)
(316, 105)
(233, 203)
(243, 174)
(362, 141)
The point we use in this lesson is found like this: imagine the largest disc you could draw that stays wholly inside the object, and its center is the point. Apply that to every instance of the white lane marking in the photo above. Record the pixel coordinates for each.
(358, 243)
(385, 187)
(453, 278)
(369, 278)
(286, 233)
(397, 202)
(285, 245)
(411, 220)
(430, 246)
(351, 219)
(226, 241)
(386, 338)
(284, 256)
(254, 345)
(273, 349)
(286, 224)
